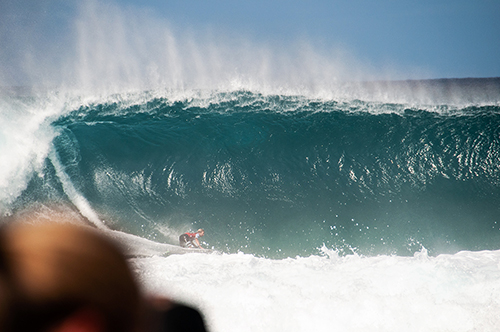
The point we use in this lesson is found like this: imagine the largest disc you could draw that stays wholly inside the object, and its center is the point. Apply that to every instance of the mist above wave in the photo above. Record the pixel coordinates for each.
(111, 49)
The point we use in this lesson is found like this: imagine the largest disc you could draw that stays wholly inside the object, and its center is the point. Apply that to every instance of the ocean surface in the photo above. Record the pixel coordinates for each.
(375, 211)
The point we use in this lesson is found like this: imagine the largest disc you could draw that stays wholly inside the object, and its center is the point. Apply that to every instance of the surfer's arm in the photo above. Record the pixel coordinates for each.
(198, 243)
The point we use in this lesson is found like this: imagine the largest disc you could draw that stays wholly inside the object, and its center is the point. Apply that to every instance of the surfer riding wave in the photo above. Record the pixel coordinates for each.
(190, 240)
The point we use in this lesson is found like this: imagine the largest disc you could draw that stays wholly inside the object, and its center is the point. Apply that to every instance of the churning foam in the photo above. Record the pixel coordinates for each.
(241, 292)
(25, 138)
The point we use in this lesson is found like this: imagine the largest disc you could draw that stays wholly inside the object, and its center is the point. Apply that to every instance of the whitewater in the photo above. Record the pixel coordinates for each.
(351, 293)
(330, 200)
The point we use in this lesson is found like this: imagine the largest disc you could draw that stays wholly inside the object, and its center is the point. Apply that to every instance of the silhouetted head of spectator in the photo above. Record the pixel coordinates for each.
(61, 276)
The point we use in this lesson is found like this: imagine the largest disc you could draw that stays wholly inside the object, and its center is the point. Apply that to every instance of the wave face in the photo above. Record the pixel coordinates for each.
(277, 175)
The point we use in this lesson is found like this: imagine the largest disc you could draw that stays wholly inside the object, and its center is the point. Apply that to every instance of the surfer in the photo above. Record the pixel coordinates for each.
(190, 240)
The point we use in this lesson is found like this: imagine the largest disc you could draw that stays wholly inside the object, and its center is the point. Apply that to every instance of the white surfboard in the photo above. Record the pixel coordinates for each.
(135, 246)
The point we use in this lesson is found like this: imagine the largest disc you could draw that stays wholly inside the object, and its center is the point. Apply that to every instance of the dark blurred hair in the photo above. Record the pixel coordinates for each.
(54, 269)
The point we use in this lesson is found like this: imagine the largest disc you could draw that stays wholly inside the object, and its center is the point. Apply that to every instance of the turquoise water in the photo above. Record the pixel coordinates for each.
(275, 175)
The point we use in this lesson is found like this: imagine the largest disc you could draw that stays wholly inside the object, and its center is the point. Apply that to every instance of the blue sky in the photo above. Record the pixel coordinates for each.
(417, 39)
(452, 38)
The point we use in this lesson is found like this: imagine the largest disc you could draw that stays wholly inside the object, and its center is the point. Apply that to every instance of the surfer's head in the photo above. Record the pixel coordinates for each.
(61, 273)
(201, 232)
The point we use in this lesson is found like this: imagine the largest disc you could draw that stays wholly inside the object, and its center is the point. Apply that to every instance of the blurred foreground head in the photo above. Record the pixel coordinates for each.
(64, 277)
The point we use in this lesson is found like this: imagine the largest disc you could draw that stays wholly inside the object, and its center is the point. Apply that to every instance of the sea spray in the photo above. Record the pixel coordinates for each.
(25, 139)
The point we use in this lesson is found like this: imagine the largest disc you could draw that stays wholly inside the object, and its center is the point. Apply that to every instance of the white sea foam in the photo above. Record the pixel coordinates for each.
(25, 137)
(240, 292)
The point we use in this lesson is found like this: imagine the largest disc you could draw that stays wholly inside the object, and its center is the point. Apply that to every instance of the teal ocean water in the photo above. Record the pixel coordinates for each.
(273, 175)
(333, 213)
